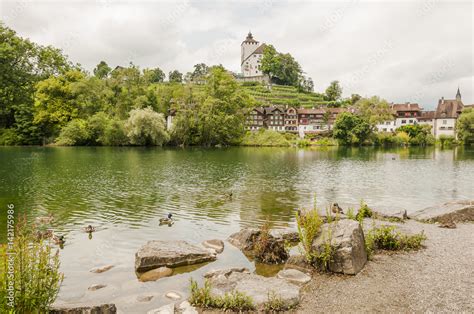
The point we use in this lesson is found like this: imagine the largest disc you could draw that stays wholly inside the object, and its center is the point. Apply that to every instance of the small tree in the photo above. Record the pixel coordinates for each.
(175, 76)
(146, 127)
(351, 129)
(334, 91)
(154, 75)
(102, 70)
(465, 126)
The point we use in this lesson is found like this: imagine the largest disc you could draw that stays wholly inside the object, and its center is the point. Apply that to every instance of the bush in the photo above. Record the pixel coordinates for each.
(235, 300)
(388, 238)
(267, 249)
(446, 140)
(264, 137)
(146, 127)
(36, 271)
(402, 138)
(74, 133)
(115, 134)
(96, 125)
(309, 226)
(364, 212)
(8, 137)
(326, 141)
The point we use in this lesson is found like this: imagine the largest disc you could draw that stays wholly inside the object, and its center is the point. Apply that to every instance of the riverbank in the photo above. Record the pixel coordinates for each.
(438, 278)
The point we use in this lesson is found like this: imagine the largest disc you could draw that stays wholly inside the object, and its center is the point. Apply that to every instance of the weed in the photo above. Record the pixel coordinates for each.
(235, 300)
(324, 257)
(275, 303)
(309, 225)
(350, 214)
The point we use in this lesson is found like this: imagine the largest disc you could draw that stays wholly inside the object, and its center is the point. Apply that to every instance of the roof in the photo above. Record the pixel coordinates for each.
(249, 39)
(311, 111)
(448, 108)
(259, 109)
(406, 107)
(271, 109)
(426, 115)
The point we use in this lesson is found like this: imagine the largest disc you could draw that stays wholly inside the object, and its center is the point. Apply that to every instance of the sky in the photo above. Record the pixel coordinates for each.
(402, 51)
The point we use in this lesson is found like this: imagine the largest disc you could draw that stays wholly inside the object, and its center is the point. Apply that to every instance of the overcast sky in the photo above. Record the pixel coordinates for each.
(403, 51)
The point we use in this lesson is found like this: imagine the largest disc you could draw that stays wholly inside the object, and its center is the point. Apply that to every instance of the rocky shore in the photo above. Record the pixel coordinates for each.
(438, 278)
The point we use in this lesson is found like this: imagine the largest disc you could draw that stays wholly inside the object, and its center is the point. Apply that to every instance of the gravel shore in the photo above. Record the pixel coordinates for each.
(439, 278)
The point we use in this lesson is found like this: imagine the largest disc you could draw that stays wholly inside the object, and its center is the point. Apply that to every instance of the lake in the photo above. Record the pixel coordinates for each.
(125, 191)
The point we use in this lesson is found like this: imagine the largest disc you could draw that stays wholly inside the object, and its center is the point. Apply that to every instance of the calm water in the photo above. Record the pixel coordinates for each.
(124, 192)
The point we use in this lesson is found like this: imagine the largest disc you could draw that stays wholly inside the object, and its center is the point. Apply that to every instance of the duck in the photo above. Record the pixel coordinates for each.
(89, 229)
(59, 239)
(168, 220)
(44, 234)
(336, 209)
(229, 195)
(45, 219)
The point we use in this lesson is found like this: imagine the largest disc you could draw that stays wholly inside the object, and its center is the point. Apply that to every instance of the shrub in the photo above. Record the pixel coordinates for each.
(267, 249)
(36, 271)
(364, 212)
(97, 124)
(309, 225)
(74, 133)
(388, 238)
(115, 134)
(322, 258)
(146, 127)
(402, 138)
(235, 300)
(446, 140)
(8, 137)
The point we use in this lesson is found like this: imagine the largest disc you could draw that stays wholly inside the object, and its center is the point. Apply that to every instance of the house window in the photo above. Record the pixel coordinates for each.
(445, 121)
(404, 121)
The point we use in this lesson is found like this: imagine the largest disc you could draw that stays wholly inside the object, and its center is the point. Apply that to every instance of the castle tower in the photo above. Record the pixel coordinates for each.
(248, 46)
(458, 95)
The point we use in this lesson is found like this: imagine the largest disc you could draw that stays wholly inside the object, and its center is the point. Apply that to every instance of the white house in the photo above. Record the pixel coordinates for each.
(403, 114)
(251, 57)
(446, 114)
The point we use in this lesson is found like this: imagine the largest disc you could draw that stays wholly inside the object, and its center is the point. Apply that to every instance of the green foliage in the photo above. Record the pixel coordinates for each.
(351, 129)
(8, 137)
(36, 271)
(309, 226)
(74, 133)
(102, 70)
(275, 303)
(264, 137)
(175, 77)
(364, 211)
(234, 301)
(154, 75)
(388, 238)
(115, 134)
(334, 91)
(146, 127)
(446, 140)
(465, 126)
(282, 68)
(351, 214)
(374, 110)
(322, 258)
(402, 138)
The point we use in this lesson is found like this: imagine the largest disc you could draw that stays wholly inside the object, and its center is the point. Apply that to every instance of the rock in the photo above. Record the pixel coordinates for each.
(145, 298)
(186, 308)
(173, 295)
(347, 241)
(448, 225)
(96, 287)
(157, 253)
(294, 276)
(245, 239)
(397, 216)
(215, 244)
(456, 211)
(225, 272)
(166, 309)
(300, 263)
(102, 269)
(269, 250)
(81, 309)
(287, 235)
(255, 286)
(156, 274)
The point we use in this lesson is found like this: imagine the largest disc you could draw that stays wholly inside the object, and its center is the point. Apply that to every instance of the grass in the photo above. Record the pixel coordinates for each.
(264, 137)
(275, 303)
(267, 249)
(309, 226)
(234, 301)
(388, 238)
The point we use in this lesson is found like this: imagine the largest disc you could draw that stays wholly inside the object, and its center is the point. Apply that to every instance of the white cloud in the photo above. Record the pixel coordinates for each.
(402, 51)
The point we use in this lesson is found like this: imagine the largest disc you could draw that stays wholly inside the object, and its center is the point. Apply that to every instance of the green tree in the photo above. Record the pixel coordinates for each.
(175, 76)
(334, 91)
(199, 73)
(74, 133)
(306, 84)
(374, 109)
(146, 127)
(282, 68)
(155, 75)
(465, 126)
(351, 129)
(102, 70)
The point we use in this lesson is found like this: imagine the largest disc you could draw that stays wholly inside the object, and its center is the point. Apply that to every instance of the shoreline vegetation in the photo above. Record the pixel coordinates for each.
(51, 101)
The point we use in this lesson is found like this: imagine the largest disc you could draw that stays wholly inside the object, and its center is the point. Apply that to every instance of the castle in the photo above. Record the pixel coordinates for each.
(251, 58)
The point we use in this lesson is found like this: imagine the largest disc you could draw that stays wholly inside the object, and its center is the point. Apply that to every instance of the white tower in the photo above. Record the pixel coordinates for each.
(248, 46)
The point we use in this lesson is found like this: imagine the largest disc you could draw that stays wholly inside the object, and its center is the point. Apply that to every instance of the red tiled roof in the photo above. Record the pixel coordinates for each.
(405, 107)
(427, 115)
(448, 108)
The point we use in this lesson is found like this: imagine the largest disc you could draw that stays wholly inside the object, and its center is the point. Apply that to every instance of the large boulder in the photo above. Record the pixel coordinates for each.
(80, 309)
(348, 244)
(156, 254)
(259, 288)
(398, 216)
(456, 211)
(294, 276)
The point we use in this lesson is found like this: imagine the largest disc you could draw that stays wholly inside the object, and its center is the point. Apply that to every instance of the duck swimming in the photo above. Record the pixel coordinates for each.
(89, 229)
(168, 220)
(59, 239)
